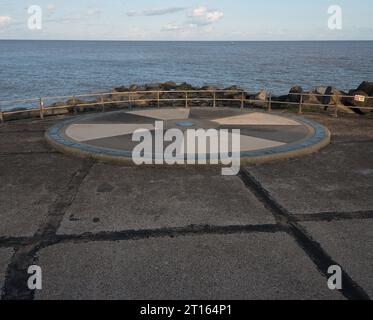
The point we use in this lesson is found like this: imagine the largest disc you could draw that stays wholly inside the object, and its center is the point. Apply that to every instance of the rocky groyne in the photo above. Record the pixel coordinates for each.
(173, 94)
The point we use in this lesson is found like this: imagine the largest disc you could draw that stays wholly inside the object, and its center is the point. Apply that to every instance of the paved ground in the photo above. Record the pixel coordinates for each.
(104, 231)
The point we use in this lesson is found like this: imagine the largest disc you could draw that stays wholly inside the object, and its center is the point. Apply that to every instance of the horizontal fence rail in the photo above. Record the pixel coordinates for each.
(113, 99)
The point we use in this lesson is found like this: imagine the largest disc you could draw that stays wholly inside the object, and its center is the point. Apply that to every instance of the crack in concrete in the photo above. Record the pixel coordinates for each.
(10, 242)
(15, 284)
(351, 290)
(333, 216)
(169, 232)
(350, 142)
(139, 234)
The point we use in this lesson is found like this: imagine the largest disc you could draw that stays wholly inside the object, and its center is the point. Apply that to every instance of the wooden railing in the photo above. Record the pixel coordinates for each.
(101, 100)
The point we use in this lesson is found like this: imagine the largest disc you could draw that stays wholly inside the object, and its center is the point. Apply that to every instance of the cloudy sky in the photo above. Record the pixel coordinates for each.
(186, 20)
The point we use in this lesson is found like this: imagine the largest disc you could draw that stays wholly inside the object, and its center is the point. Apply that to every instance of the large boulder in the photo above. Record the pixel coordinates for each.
(261, 95)
(327, 99)
(233, 88)
(185, 87)
(312, 97)
(169, 85)
(75, 102)
(121, 89)
(366, 87)
(278, 102)
(294, 94)
(119, 96)
(57, 104)
(153, 87)
(209, 88)
(258, 97)
(135, 87)
(357, 106)
(334, 97)
(55, 112)
(320, 90)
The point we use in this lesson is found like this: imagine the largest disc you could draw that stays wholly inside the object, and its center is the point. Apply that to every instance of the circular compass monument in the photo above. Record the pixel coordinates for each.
(262, 136)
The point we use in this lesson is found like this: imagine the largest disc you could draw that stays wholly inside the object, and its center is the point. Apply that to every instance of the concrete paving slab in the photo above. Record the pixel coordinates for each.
(349, 243)
(336, 179)
(347, 128)
(29, 185)
(246, 266)
(23, 142)
(28, 125)
(114, 198)
(5, 256)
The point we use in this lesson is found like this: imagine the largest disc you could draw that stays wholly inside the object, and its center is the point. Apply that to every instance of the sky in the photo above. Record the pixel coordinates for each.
(215, 20)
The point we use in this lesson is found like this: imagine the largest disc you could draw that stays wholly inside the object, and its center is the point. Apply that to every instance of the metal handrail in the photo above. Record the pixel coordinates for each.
(187, 97)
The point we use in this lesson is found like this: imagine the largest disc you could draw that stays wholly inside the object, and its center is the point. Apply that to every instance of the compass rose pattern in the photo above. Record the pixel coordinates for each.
(260, 132)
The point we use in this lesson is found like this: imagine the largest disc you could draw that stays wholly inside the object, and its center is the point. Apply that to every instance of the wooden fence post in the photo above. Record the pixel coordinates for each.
(158, 97)
(301, 104)
(242, 100)
(336, 111)
(1, 116)
(186, 99)
(214, 103)
(74, 106)
(102, 103)
(41, 104)
(270, 102)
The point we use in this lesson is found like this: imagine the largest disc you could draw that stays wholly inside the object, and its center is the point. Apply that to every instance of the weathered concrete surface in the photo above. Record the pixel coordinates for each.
(5, 255)
(255, 266)
(29, 185)
(350, 243)
(149, 198)
(336, 179)
(34, 141)
(347, 128)
(30, 125)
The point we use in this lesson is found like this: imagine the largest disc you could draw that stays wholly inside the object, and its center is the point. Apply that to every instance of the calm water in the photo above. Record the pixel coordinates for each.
(48, 68)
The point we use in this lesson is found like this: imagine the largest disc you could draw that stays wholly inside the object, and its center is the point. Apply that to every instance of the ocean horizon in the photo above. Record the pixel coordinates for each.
(39, 68)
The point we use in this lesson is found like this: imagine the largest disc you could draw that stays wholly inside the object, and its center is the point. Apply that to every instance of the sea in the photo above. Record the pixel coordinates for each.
(32, 69)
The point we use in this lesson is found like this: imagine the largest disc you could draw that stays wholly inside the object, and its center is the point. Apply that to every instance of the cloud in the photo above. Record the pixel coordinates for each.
(201, 16)
(93, 12)
(51, 7)
(172, 27)
(179, 27)
(155, 12)
(4, 20)
(204, 16)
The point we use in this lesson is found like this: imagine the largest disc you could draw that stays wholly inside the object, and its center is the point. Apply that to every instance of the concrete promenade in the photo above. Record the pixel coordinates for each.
(103, 231)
